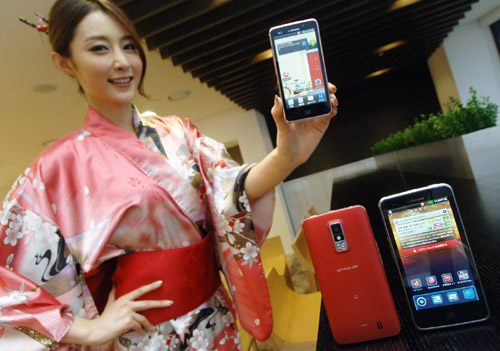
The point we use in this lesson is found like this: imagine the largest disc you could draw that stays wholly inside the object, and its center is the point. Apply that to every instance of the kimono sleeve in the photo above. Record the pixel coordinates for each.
(240, 228)
(32, 256)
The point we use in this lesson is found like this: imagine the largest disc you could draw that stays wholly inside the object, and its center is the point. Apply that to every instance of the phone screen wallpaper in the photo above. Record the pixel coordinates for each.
(300, 68)
(431, 250)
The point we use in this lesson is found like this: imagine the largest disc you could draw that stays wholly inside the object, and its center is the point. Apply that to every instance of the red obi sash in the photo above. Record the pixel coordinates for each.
(190, 277)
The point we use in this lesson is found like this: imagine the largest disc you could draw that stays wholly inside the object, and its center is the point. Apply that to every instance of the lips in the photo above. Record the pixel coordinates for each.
(124, 80)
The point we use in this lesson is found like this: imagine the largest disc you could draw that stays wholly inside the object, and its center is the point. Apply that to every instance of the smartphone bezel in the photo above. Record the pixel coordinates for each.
(445, 316)
(307, 112)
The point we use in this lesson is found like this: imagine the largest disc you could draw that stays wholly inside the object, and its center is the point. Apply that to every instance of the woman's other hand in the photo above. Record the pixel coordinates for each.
(119, 316)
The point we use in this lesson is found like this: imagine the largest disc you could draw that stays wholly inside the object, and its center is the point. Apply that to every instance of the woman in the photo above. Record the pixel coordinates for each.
(106, 237)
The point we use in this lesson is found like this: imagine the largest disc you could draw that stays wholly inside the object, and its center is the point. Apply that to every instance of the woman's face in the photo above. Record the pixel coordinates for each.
(105, 61)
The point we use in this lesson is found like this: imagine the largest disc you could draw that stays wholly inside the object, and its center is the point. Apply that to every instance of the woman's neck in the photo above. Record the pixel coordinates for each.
(121, 115)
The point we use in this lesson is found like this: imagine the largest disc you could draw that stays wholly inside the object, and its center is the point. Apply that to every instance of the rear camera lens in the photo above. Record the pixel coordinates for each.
(337, 232)
(336, 228)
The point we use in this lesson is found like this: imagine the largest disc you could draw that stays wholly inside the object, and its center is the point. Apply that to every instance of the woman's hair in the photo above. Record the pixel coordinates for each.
(65, 16)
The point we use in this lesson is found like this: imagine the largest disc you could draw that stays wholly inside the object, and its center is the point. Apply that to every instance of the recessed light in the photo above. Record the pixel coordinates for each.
(44, 88)
(264, 55)
(179, 95)
(378, 73)
(402, 3)
(390, 46)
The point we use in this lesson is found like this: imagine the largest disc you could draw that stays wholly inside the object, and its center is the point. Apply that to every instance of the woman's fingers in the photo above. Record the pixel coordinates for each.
(135, 294)
(135, 322)
(277, 109)
(277, 112)
(332, 88)
(144, 323)
(144, 304)
(121, 315)
(137, 327)
(149, 304)
(333, 99)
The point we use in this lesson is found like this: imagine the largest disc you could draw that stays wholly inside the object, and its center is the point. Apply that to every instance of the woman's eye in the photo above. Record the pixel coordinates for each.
(130, 46)
(98, 48)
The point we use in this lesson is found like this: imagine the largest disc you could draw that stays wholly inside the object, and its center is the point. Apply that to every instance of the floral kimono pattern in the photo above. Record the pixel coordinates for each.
(101, 192)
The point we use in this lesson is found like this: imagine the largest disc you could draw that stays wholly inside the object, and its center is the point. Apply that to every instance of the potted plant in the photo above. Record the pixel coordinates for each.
(458, 120)
(445, 143)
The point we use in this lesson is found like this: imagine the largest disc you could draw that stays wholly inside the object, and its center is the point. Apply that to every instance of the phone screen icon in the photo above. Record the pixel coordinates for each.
(421, 301)
(437, 299)
(469, 294)
(416, 283)
(447, 278)
(452, 296)
(431, 280)
(463, 275)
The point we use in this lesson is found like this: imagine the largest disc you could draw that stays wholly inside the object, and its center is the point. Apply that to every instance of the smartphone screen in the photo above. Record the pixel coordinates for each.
(432, 253)
(435, 260)
(300, 70)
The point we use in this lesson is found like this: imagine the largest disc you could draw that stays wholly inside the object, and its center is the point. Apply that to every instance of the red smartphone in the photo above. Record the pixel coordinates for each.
(351, 276)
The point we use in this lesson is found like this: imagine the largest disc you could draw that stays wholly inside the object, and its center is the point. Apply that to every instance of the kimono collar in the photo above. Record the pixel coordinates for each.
(136, 120)
(146, 159)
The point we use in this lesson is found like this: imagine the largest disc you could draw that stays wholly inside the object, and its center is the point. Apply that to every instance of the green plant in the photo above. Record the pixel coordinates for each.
(458, 120)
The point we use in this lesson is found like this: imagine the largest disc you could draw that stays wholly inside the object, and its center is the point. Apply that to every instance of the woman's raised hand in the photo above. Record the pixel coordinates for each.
(119, 316)
(296, 141)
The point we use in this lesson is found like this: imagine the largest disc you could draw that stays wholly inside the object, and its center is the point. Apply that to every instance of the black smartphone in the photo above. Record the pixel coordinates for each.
(300, 69)
(435, 262)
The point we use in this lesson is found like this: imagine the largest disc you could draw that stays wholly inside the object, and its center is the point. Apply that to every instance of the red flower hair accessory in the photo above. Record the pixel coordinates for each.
(42, 26)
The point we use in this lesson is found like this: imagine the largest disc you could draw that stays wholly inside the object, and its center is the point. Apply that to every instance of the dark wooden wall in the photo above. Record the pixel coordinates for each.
(369, 112)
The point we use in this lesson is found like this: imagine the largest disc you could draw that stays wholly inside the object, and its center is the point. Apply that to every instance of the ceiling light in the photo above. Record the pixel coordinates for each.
(44, 88)
(402, 3)
(179, 95)
(264, 55)
(378, 73)
(390, 46)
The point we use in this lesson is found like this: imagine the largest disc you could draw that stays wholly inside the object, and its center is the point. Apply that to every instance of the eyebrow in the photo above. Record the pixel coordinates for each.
(96, 37)
(103, 37)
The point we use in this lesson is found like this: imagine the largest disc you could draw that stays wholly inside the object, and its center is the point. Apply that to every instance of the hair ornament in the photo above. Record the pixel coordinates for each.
(42, 26)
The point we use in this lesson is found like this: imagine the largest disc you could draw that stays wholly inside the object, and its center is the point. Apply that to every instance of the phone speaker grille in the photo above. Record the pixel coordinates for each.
(379, 325)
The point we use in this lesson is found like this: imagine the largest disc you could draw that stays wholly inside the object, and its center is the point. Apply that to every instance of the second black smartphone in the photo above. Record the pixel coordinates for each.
(435, 261)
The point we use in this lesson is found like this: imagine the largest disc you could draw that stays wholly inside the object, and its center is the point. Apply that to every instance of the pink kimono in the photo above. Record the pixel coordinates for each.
(101, 192)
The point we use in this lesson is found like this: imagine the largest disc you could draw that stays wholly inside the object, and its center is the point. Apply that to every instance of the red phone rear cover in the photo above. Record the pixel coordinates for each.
(353, 283)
